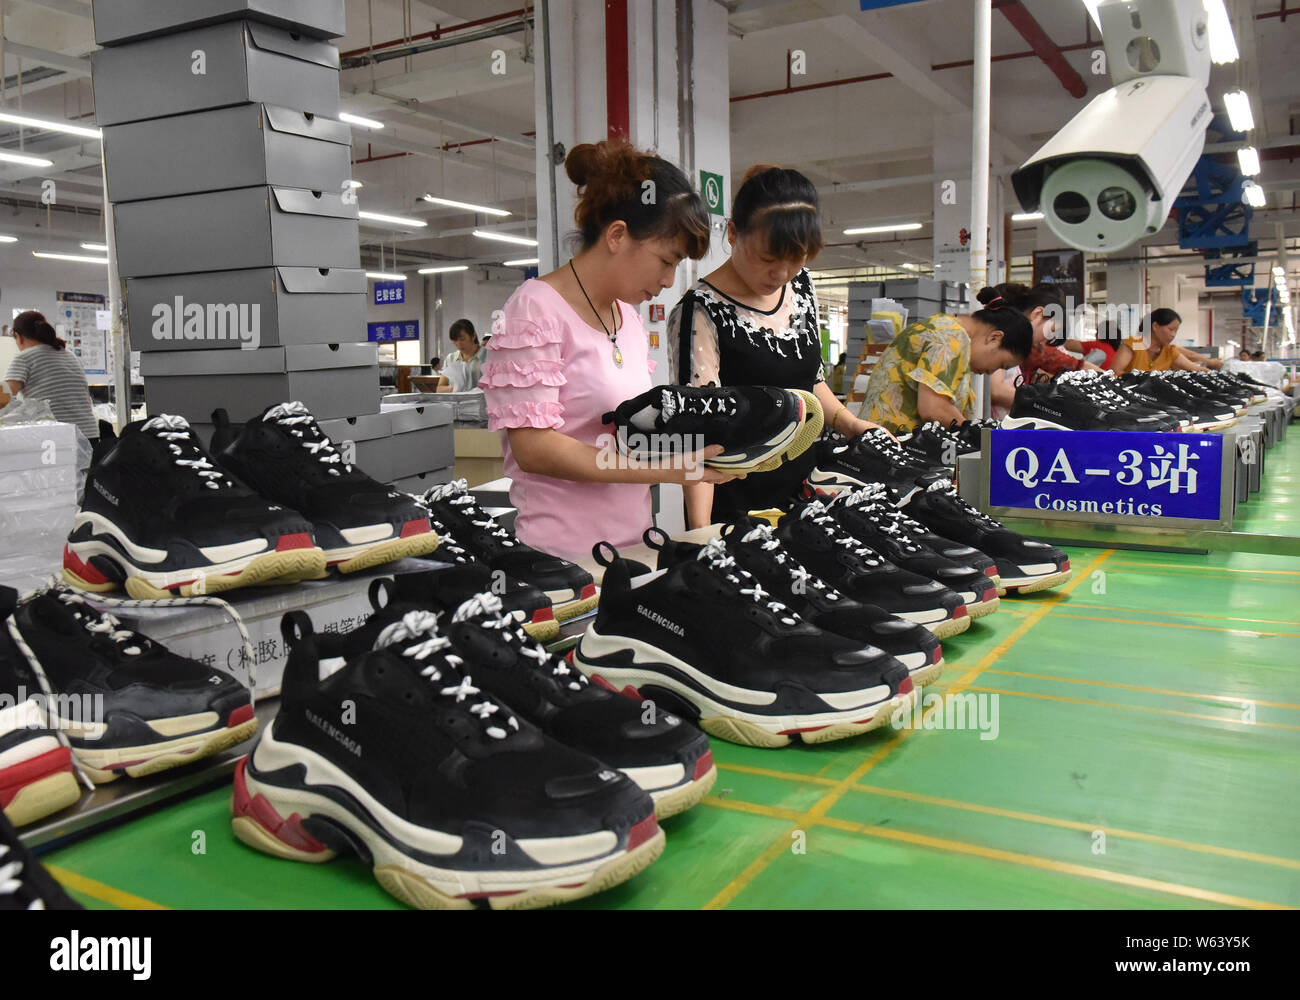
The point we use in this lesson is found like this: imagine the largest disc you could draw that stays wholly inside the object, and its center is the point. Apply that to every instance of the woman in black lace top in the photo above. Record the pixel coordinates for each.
(753, 321)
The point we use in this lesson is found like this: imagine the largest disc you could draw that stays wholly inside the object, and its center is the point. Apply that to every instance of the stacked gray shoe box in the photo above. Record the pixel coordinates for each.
(422, 448)
(236, 231)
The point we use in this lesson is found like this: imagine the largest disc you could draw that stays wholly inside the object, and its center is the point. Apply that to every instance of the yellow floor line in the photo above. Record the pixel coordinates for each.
(1208, 569)
(995, 854)
(1197, 628)
(98, 890)
(1133, 708)
(1188, 614)
(842, 787)
(1228, 699)
(1067, 824)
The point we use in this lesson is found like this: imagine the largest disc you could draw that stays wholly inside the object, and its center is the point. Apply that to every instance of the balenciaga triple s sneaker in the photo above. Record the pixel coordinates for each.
(127, 704)
(704, 639)
(571, 589)
(36, 776)
(668, 758)
(160, 516)
(759, 427)
(397, 755)
(286, 457)
(870, 457)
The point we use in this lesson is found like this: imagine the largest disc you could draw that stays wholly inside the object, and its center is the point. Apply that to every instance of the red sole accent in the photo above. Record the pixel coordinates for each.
(239, 716)
(420, 526)
(588, 591)
(299, 540)
(547, 615)
(810, 729)
(642, 832)
(85, 571)
(905, 686)
(1065, 566)
(260, 811)
(961, 611)
(703, 766)
(937, 655)
(15, 778)
(990, 571)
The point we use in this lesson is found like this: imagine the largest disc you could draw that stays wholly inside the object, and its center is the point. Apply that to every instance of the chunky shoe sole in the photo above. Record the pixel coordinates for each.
(144, 586)
(811, 421)
(1031, 585)
(547, 630)
(566, 608)
(103, 766)
(40, 784)
(679, 798)
(984, 608)
(725, 721)
(383, 552)
(270, 818)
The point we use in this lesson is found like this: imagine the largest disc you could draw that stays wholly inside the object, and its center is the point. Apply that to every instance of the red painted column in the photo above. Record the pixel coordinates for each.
(616, 70)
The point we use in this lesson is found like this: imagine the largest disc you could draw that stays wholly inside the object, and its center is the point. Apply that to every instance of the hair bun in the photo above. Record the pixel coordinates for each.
(988, 296)
(580, 164)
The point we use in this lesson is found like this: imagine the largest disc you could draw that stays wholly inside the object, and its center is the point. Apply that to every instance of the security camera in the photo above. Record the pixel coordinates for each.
(1111, 175)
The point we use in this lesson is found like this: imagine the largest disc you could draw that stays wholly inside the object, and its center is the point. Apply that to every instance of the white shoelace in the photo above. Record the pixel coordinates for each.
(817, 513)
(172, 429)
(716, 555)
(873, 501)
(415, 624)
(297, 419)
(674, 403)
(946, 487)
(765, 535)
(489, 608)
(100, 623)
(10, 883)
(457, 493)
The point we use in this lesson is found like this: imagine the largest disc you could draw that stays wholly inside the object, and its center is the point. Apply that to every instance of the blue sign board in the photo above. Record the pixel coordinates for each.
(877, 4)
(389, 293)
(1107, 472)
(406, 329)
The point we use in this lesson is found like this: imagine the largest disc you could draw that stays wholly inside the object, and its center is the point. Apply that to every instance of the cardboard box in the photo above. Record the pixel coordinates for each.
(281, 307)
(422, 438)
(364, 441)
(239, 62)
(331, 380)
(119, 21)
(419, 483)
(241, 146)
(236, 230)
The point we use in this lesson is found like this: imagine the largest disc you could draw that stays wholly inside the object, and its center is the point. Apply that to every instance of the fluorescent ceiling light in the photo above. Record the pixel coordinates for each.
(8, 239)
(358, 120)
(465, 205)
(101, 247)
(27, 161)
(1027, 216)
(52, 126)
(1223, 46)
(69, 256)
(382, 276)
(444, 270)
(1248, 157)
(1279, 271)
(1239, 114)
(355, 184)
(523, 241)
(1254, 194)
(895, 228)
(520, 263)
(1092, 6)
(394, 220)
(909, 267)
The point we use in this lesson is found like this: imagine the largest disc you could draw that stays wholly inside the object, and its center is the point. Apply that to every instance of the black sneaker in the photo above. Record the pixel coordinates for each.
(571, 589)
(1209, 385)
(1103, 390)
(467, 576)
(24, 882)
(869, 515)
(450, 797)
(127, 704)
(753, 542)
(939, 447)
(1024, 565)
(759, 427)
(666, 757)
(819, 542)
(286, 457)
(704, 639)
(1059, 405)
(1206, 415)
(36, 776)
(159, 516)
(870, 457)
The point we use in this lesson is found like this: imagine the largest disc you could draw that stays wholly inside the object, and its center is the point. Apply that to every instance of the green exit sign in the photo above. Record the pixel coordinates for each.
(711, 189)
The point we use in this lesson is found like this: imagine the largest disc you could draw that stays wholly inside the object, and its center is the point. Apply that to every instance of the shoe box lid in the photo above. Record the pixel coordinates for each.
(262, 307)
(408, 417)
(240, 228)
(35, 447)
(241, 61)
(119, 21)
(422, 481)
(264, 360)
(240, 146)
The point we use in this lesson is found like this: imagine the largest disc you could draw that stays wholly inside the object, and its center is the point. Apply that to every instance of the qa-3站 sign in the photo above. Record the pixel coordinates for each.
(1103, 474)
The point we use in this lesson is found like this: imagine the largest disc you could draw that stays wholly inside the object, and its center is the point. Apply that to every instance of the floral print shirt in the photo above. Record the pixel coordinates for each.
(933, 352)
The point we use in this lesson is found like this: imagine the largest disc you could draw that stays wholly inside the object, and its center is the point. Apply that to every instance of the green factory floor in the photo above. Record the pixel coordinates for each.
(1147, 729)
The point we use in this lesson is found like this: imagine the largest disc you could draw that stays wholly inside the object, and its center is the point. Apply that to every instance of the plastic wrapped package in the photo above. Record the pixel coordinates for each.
(39, 489)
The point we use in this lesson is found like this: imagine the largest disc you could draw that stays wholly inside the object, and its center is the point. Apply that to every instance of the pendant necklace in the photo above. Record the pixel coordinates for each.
(613, 337)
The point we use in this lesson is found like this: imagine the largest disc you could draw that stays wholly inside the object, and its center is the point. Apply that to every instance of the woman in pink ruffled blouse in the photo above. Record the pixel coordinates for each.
(569, 347)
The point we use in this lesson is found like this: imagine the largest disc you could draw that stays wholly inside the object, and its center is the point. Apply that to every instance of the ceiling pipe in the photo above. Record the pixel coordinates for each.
(437, 33)
(1046, 49)
(414, 50)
